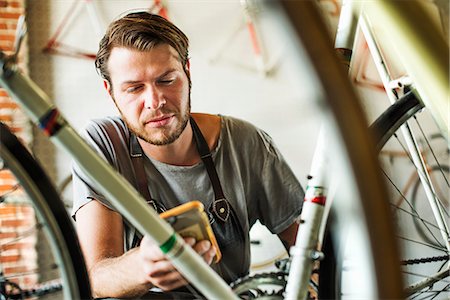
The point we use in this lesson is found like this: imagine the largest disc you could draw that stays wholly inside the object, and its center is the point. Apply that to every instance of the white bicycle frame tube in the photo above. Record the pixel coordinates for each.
(306, 249)
(348, 22)
(123, 196)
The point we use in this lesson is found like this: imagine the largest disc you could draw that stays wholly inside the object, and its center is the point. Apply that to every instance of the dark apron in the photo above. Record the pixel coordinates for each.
(222, 216)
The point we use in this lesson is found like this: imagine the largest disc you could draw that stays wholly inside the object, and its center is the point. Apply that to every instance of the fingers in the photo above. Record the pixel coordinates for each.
(165, 276)
(149, 250)
(206, 250)
(157, 269)
(160, 271)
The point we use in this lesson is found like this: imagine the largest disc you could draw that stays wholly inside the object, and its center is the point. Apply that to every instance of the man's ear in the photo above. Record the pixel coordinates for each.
(187, 67)
(107, 86)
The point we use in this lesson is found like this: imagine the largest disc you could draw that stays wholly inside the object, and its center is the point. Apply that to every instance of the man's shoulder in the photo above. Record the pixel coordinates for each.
(239, 126)
(106, 126)
(248, 135)
(107, 130)
(105, 122)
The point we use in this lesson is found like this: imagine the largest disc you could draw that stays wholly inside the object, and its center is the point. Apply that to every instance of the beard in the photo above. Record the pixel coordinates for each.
(161, 136)
(164, 136)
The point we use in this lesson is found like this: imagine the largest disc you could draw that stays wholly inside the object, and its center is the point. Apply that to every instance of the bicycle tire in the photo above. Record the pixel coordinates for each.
(382, 129)
(51, 216)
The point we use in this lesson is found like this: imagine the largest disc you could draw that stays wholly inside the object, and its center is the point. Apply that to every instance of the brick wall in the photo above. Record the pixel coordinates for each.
(17, 255)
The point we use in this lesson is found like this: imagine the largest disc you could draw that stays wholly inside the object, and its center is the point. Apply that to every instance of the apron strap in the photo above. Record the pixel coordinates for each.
(139, 171)
(220, 206)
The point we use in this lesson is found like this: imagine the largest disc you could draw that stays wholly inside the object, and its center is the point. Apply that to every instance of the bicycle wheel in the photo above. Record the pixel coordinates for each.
(425, 250)
(66, 273)
(425, 258)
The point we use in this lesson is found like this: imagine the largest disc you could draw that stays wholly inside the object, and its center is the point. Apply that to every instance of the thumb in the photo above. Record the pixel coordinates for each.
(149, 249)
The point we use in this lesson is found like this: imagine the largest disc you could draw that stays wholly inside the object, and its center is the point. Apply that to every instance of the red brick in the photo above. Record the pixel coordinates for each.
(6, 46)
(26, 210)
(6, 118)
(10, 105)
(16, 223)
(9, 15)
(6, 174)
(16, 246)
(7, 37)
(15, 129)
(8, 210)
(15, 4)
(9, 258)
(6, 188)
(8, 235)
(8, 271)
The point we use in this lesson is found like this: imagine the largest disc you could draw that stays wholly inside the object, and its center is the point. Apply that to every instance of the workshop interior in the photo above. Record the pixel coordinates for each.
(241, 59)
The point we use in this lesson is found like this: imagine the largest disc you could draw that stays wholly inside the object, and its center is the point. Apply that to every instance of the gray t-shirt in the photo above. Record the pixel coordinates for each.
(255, 178)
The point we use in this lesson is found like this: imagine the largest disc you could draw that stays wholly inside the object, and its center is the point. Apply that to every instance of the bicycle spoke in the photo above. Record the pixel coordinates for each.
(22, 235)
(430, 293)
(432, 151)
(420, 172)
(422, 243)
(41, 270)
(412, 161)
(13, 189)
(414, 213)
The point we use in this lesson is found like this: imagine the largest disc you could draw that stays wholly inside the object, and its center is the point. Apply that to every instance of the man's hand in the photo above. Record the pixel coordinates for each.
(159, 271)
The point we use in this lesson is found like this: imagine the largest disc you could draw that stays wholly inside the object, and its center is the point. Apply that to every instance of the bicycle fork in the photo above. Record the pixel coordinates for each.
(306, 249)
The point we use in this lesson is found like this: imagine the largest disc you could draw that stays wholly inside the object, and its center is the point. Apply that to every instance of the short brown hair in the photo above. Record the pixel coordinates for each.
(141, 31)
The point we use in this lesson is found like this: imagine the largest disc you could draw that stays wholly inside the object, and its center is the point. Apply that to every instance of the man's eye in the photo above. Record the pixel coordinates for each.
(166, 81)
(133, 89)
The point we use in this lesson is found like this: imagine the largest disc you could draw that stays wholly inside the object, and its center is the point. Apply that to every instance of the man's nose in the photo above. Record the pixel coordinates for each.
(153, 98)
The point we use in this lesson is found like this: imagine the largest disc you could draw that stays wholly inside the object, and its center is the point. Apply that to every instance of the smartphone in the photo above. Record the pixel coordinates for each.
(190, 220)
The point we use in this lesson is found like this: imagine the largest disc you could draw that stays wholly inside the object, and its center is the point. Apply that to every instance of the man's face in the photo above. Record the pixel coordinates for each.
(151, 91)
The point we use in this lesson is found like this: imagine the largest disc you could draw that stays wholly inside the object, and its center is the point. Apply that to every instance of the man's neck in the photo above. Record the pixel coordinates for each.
(182, 152)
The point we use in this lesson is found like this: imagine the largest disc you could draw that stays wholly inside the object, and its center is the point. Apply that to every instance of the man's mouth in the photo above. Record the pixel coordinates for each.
(159, 121)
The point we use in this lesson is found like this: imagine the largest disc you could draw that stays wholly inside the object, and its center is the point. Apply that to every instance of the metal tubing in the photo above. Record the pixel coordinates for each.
(427, 282)
(348, 23)
(310, 224)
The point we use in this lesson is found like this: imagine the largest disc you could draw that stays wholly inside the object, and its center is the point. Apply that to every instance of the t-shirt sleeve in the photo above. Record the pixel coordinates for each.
(280, 196)
(84, 188)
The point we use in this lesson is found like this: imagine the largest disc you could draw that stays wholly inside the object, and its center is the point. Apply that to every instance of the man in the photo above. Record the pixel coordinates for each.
(156, 144)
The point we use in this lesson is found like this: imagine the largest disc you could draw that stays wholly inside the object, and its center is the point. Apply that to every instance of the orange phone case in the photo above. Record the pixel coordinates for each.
(190, 220)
